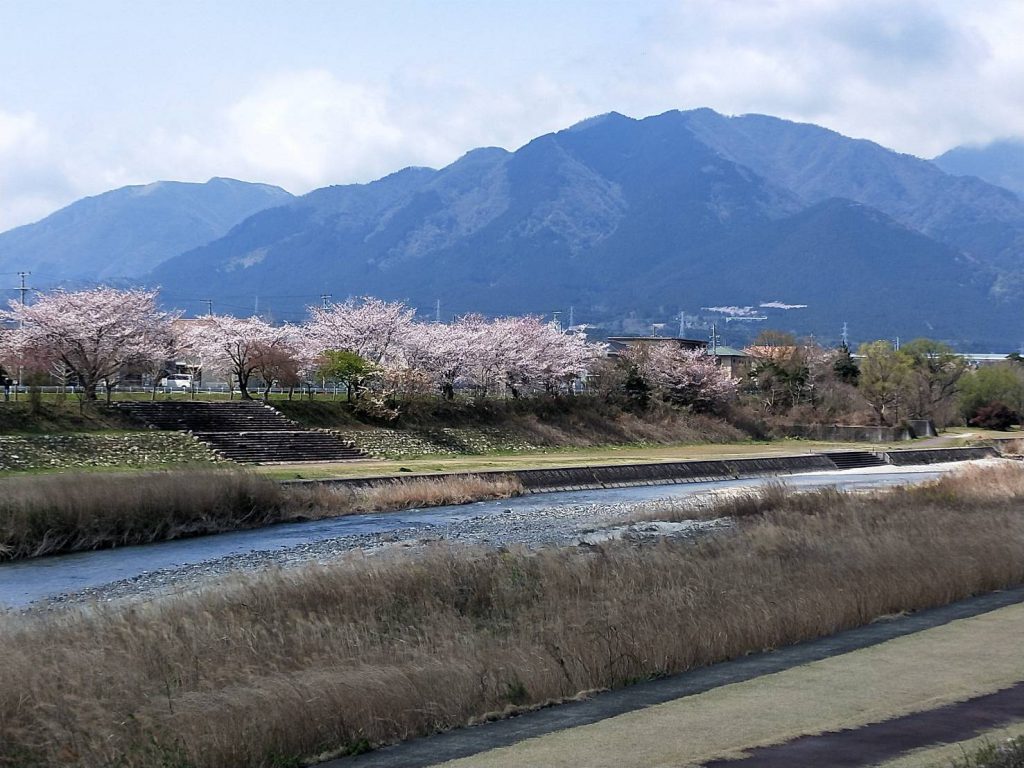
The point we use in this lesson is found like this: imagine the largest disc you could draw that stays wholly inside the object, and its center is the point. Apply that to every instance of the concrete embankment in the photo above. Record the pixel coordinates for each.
(665, 473)
(906, 458)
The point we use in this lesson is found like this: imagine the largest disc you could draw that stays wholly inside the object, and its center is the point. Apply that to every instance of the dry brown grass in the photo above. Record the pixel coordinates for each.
(303, 662)
(998, 484)
(47, 514)
(434, 492)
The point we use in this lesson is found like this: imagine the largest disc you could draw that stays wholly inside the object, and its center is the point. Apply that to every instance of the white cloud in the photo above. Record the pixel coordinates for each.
(31, 185)
(916, 76)
(312, 128)
(732, 311)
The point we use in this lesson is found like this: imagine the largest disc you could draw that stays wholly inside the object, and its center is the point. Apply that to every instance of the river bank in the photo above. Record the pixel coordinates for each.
(255, 670)
(549, 520)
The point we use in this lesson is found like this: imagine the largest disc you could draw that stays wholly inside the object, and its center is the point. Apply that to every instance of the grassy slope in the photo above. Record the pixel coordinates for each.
(546, 422)
(61, 418)
(561, 457)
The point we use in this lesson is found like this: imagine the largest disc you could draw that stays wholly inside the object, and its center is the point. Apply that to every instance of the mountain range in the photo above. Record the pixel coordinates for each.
(127, 232)
(633, 220)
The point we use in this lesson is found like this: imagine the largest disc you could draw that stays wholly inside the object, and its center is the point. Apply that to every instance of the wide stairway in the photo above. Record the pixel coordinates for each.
(855, 459)
(249, 432)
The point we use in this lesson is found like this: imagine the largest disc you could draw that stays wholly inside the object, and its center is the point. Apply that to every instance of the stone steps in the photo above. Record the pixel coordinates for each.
(248, 432)
(855, 459)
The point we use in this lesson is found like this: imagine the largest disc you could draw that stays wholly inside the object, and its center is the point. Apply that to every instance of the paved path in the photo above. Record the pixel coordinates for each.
(878, 742)
(533, 733)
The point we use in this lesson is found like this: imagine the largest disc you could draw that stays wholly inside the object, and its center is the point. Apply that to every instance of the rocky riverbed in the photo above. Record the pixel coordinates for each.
(585, 518)
(564, 525)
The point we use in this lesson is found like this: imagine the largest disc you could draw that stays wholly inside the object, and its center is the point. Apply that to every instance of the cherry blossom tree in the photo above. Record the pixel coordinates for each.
(534, 355)
(517, 355)
(372, 328)
(235, 345)
(277, 364)
(691, 378)
(95, 333)
(443, 352)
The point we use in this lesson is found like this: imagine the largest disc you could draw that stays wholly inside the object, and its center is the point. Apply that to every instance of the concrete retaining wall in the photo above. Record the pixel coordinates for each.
(937, 455)
(675, 472)
(623, 475)
(844, 433)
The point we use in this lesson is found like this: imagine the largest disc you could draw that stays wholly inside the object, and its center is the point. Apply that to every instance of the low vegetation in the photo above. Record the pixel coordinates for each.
(41, 515)
(323, 660)
(1008, 754)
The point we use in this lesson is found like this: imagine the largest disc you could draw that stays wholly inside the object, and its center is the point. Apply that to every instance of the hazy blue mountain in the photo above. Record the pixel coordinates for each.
(847, 262)
(983, 220)
(1000, 163)
(495, 231)
(617, 216)
(129, 231)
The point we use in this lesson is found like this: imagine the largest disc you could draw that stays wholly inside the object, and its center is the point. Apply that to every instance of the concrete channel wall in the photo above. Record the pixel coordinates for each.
(860, 433)
(905, 458)
(667, 473)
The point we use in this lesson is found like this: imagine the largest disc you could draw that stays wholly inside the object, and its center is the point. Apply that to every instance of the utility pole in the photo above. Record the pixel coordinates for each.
(437, 311)
(897, 343)
(325, 300)
(21, 324)
(557, 315)
(23, 289)
(209, 306)
(256, 307)
(682, 324)
(714, 338)
(846, 336)
(572, 316)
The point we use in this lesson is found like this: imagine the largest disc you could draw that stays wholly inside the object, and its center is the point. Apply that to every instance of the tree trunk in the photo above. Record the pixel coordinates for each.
(243, 384)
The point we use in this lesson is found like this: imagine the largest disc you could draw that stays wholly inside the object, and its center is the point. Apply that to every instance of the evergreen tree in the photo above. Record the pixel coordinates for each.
(845, 368)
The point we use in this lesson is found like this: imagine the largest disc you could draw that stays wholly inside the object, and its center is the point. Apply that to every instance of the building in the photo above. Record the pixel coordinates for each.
(733, 359)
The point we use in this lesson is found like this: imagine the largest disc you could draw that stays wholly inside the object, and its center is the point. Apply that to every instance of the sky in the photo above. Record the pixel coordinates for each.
(306, 93)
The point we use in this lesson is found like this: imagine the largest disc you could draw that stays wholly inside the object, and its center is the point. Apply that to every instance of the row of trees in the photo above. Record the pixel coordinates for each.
(924, 379)
(380, 354)
(367, 345)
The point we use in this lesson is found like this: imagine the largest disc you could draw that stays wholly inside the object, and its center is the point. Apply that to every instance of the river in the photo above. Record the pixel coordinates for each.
(533, 520)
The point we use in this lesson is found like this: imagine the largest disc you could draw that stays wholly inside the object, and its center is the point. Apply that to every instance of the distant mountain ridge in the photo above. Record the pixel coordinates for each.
(999, 162)
(617, 216)
(626, 220)
(127, 232)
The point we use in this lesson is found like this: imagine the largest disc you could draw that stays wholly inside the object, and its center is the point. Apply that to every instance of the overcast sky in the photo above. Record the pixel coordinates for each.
(303, 93)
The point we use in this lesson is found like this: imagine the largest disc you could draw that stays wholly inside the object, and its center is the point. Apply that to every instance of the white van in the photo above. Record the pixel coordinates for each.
(182, 381)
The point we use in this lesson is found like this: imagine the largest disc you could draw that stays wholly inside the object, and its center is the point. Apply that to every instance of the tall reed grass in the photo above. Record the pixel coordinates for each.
(47, 514)
(302, 663)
